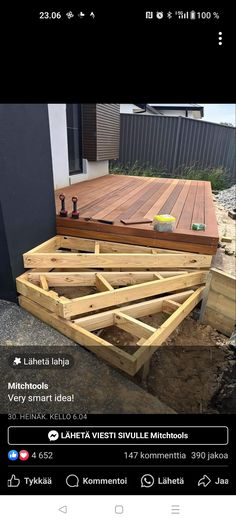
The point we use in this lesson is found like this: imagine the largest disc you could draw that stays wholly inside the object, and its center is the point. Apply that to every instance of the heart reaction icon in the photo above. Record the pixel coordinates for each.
(24, 454)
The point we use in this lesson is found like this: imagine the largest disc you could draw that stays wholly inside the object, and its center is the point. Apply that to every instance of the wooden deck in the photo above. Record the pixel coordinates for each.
(116, 197)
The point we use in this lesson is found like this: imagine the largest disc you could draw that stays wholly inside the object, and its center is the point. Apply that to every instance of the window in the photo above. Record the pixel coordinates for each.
(74, 137)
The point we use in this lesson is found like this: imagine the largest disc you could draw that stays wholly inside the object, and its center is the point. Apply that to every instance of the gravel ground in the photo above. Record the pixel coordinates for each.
(97, 388)
(226, 227)
(227, 197)
(18, 328)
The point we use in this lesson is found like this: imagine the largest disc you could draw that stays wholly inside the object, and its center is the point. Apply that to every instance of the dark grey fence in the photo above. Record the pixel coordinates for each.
(173, 142)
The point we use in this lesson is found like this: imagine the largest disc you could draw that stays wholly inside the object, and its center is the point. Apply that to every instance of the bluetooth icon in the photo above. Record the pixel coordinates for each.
(169, 14)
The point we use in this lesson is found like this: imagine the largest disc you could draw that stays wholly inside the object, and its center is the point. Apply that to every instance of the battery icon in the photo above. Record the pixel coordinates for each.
(192, 15)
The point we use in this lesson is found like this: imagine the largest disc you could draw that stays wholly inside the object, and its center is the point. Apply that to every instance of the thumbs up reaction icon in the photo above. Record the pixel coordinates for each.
(13, 482)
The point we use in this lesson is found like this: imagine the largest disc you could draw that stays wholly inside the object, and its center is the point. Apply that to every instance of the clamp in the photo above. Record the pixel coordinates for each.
(63, 212)
(75, 212)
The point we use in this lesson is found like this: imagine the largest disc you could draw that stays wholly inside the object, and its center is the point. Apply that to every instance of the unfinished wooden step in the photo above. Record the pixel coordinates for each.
(81, 330)
(116, 260)
(67, 308)
(88, 253)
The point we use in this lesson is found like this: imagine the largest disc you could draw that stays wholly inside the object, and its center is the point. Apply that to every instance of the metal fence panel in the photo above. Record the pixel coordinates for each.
(172, 142)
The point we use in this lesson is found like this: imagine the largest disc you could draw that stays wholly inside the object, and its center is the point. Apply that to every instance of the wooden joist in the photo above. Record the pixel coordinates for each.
(158, 276)
(97, 248)
(89, 245)
(35, 293)
(107, 295)
(77, 306)
(169, 306)
(144, 353)
(73, 279)
(116, 260)
(43, 282)
(132, 325)
(81, 330)
(102, 284)
(102, 254)
(142, 309)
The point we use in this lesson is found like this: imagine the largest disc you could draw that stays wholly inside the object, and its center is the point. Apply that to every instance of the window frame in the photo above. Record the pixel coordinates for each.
(77, 136)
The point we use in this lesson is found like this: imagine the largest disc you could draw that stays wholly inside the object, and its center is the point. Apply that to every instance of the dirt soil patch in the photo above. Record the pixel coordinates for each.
(187, 370)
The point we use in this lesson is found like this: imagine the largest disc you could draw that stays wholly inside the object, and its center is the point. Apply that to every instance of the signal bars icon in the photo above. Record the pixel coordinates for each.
(191, 15)
(181, 14)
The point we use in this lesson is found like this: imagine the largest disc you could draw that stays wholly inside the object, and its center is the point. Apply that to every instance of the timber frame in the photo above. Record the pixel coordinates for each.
(71, 252)
(36, 286)
(179, 305)
(121, 274)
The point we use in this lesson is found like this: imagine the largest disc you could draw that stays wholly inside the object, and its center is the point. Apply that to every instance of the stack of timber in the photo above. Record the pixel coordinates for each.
(121, 274)
(219, 302)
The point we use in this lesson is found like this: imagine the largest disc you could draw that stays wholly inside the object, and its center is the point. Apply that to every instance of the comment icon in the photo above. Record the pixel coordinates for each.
(72, 481)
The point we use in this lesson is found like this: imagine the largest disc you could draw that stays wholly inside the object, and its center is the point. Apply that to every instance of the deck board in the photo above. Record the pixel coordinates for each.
(138, 208)
(168, 205)
(185, 219)
(113, 197)
(131, 205)
(112, 194)
(198, 215)
(124, 202)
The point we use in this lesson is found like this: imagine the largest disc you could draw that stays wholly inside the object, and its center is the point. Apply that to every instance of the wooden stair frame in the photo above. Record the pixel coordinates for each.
(121, 274)
(81, 329)
(107, 296)
(101, 254)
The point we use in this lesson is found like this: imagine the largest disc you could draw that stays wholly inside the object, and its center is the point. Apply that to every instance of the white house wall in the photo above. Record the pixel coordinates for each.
(59, 150)
(91, 170)
(59, 147)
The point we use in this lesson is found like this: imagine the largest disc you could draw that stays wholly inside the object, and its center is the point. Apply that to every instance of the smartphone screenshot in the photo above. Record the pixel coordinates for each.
(117, 264)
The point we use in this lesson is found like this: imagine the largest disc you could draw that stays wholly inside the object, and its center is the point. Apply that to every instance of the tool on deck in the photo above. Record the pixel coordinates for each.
(75, 212)
(98, 220)
(63, 212)
(140, 221)
(198, 227)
